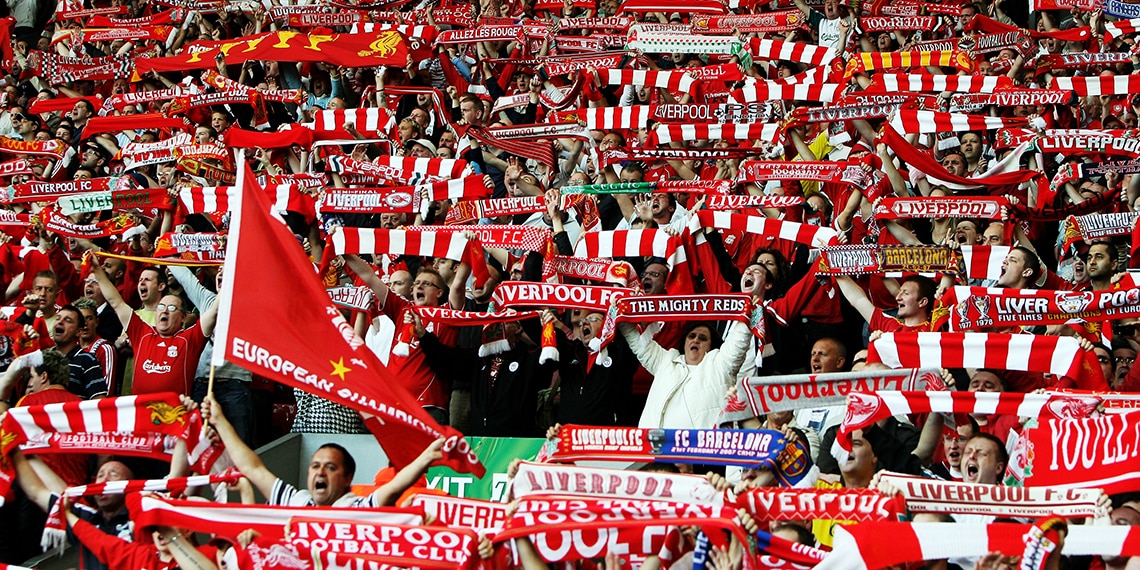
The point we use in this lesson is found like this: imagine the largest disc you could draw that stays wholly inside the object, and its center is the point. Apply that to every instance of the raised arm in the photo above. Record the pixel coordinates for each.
(122, 309)
(856, 296)
(368, 276)
(243, 457)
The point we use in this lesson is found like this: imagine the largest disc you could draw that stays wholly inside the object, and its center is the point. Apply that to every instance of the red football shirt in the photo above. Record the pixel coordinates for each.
(164, 364)
(413, 370)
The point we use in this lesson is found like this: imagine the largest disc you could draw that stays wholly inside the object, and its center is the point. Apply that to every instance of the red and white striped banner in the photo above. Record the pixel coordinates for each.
(813, 236)
(736, 131)
(1096, 85)
(862, 546)
(609, 118)
(206, 199)
(448, 245)
(530, 238)
(984, 261)
(791, 51)
(672, 80)
(465, 188)
(627, 243)
(926, 82)
(376, 120)
(926, 122)
(1121, 28)
(772, 90)
(1060, 356)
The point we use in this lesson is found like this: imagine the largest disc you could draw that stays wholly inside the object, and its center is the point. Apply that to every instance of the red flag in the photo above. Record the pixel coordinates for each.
(299, 338)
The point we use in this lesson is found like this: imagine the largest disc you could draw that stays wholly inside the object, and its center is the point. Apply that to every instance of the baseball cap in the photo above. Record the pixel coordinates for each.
(422, 142)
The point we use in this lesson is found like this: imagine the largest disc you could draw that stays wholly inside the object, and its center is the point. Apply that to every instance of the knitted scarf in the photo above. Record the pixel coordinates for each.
(592, 482)
(60, 224)
(758, 448)
(1084, 452)
(932, 496)
(472, 318)
(1096, 85)
(847, 172)
(926, 122)
(890, 24)
(862, 546)
(368, 200)
(529, 238)
(814, 236)
(55, 530)
(984, 261)
(931, 207)
(924, 82)
(205, 199)
(865, 259)
(770, 50)
(205, 246)
(144, 199)
(766, 394)
(1121, 28)
(875, 61)
(628, 243)
(673, 81)
(780, 21)
(733, 202)
(773, 90)
(978, 307)
(1094, 226)
(607, 270)
(581, 528)
(1060, 356)
(866, 409)
(230, 520)
(484, 517)
(771, 504)
(45, 191)
(358, 298)
(840, 112)
(129, 425)
(371, 120)
(448, 245)
(665, 134)
(393, 544)
(556, 295)
(681, 186)
(1092, 143)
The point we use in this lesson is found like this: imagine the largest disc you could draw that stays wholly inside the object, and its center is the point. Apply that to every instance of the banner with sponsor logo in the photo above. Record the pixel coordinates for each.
(931, 496)
(764, 395)
(981, 307)
(864, 259)
(496, 454)
(1086, 453)
(985, 207)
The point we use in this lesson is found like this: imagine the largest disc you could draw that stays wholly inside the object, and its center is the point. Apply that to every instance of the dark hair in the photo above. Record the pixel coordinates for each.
(781, 261)
(995, 372)
(803, 535)
(1031, 261)
(73, 309)
(161, 275)
(926, 288)
(1003, 455)
(713, 336)
(1113, 253)
(346, 459)
(47, 274)
(55, 365)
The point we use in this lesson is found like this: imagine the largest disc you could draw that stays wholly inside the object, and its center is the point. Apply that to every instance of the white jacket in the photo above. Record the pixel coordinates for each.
(684, 396)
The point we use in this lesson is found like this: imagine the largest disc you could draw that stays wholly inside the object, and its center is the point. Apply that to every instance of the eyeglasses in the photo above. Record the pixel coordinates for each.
(1124, 360)
(425, 284)
(654, 274)
(161, 308)
(1127, 329)
(1103, 359)
(589, 320)
(20, 118)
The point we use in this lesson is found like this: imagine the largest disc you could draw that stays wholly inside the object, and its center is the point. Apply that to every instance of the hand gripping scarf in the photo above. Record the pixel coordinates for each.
(1060, 356)
(129, 425)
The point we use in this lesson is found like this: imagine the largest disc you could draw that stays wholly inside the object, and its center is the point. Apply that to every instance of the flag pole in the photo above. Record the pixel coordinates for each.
(210, 385)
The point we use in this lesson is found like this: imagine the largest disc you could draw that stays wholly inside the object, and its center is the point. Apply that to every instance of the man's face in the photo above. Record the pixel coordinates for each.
(825, 357)
(952, 446)
(831, 9)
(954, 164)
(1123, 359)
(1104, 358)
(1012, 270)
(910, 300)
(1099, 265)
(401, 283)
(202, 136)
(91, 158)
(219, 121)
(661, 207)
(169, 316)
(994, 234)
(149, 287)
(327, 480)
(589, 326)
(420, 116)
(861, 462)
(427, 290)
(407, 130)
(754, 280)
(391, 221)
(472, 113)
(90, 322)
(419, 151)
(653, 279)
(47, 289)
(111, 471)
(985, 382)
(67, 328)
(79, 112)
(631, 175)
(447, 140)
(980, 462)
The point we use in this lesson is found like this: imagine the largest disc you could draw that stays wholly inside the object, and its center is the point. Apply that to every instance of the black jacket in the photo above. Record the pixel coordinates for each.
(594, 397)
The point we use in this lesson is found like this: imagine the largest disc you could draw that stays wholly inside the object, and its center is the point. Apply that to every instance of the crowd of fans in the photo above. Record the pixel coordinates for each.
(93, 315)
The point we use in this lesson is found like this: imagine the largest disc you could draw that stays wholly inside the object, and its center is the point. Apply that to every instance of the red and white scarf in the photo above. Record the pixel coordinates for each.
(763, 395)
(890, 24)
(980, 307)
(368, 120)
(1060, 356)
(483, 517)
(932, 496)
(472, 318)
(1094, 226)
(571, 480)
(770, 50)
(60, 224)
(121, 200)
(205, 246)
(129, 425)
(529, 238)
(861, 505)
(205, 199)
(665, 134)
(930, 207)
(230, 520)
(359, 298)
(866, 409)
(984, 261)
(781, 21)
(862, 546)
(1121, 28)
(735, 202)
(926, 122)
(448, 245)
(627, 243)
(368, 200)
(557, 295)
(468, 211)
(1096, 85)
(848, 172)
(672, 81)
(331, 539)
(887, 258)
(773, 90)
(814, 236)
(926, 82)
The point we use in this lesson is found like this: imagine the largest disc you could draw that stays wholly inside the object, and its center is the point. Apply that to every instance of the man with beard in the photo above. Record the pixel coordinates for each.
(1100, 265)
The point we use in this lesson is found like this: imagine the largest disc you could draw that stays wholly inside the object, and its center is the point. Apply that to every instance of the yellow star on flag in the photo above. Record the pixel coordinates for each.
(339, 369)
